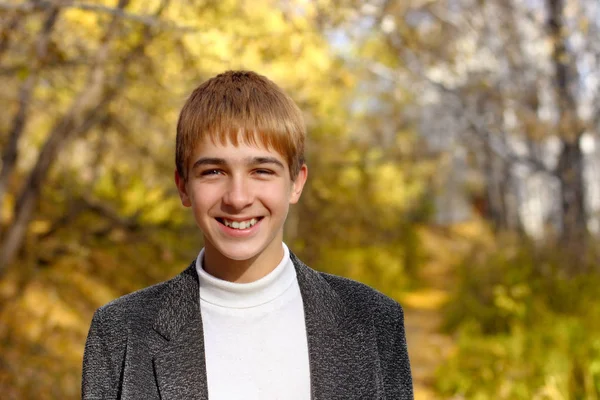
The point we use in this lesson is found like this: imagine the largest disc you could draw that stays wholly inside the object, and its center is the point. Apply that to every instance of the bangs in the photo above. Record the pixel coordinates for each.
(271, 138)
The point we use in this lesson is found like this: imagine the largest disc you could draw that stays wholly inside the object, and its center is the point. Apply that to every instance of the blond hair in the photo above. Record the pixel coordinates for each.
(241, 106)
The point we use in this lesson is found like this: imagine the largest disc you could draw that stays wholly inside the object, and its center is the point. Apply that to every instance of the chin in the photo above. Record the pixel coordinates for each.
(239, 252)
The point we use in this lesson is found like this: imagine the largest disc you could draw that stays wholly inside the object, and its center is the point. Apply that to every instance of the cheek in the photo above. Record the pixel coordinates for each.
(277, 200)
(203, 199)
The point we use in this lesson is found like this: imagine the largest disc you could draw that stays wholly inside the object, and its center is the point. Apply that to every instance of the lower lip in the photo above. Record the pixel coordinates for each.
(240, 233)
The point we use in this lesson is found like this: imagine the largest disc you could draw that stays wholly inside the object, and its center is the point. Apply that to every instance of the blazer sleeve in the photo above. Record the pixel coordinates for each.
(397, 373)
(99, 379)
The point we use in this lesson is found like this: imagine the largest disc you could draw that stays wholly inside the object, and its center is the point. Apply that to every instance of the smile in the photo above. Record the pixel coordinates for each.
(239, 224)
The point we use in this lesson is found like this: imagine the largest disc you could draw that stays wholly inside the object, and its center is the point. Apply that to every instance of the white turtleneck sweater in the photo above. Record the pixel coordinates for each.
(255, 336)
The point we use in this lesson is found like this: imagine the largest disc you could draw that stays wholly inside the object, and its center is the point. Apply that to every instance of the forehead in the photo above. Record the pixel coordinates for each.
(231, 152)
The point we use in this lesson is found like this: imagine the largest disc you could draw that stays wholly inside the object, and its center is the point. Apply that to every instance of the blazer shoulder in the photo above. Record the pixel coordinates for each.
(134, 301)
(141, 305)
(359, 295)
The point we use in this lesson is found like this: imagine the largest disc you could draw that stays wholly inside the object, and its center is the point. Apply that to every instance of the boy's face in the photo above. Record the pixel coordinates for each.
(240, 198)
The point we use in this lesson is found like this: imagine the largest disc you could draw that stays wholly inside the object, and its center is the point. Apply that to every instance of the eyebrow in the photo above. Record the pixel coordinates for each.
(250, 161)
(208, 161)
(267, 160)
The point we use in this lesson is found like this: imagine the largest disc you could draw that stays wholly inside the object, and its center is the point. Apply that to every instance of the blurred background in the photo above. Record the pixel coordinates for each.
(454, 162)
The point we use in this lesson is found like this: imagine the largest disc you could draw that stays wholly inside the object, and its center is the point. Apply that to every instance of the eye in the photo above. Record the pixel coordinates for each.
(210, 172)
(263, 171)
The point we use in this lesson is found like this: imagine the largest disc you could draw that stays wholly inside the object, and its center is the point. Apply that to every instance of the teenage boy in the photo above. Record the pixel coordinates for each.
(247, 319)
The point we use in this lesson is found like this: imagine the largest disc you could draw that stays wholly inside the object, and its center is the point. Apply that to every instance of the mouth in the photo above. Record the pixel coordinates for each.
(239, 225)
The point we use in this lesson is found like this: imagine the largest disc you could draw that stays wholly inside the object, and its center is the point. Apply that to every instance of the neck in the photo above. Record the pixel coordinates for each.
(242, 271)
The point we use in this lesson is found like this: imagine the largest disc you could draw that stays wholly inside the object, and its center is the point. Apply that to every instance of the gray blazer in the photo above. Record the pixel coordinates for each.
(150, 344)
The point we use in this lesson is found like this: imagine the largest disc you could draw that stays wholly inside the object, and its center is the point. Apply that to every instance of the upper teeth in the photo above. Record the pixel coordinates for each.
(240, 225)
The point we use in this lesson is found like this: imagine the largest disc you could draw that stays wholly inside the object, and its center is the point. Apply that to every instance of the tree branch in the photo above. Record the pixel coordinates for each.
(482, 130)
(86, 111)
(148, 20)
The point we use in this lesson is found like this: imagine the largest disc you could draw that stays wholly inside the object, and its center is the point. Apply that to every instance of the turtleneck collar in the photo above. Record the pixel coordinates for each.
(246, 295)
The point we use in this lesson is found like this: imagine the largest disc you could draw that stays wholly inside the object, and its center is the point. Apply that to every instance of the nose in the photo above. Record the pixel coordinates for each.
(239, 194)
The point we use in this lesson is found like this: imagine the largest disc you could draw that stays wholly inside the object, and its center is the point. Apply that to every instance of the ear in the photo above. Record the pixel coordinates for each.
(298, 184)
(181, 187)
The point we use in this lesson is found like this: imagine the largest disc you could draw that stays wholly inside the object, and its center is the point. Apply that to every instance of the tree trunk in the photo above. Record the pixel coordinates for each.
(570, 174)
(27, 201)
(10, 152)
(495, 210)
(570, 129)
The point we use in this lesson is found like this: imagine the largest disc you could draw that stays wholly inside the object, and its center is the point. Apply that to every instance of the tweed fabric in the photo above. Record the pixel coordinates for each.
(150, 345)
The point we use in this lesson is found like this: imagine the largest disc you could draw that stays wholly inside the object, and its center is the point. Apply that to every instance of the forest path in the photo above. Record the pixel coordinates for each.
(423, 306)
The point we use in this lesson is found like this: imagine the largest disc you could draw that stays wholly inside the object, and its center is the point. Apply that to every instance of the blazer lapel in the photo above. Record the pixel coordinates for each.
(342, 355)
(334, 342)
(180, 364)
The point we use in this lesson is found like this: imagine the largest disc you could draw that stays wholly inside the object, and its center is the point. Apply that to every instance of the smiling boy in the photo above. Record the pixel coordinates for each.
(247, 319)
